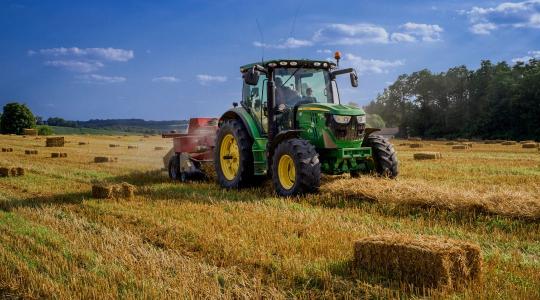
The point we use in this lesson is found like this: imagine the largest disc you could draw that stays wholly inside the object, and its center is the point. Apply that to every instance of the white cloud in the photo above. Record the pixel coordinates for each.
(507, 14)
(100, 79)
(289, 43)
(205, 79)
(376, 66)
(351, 34)
(107, 54)
(530, 55)
(324, 51)
(424, 32)
(165, 79)
(75, 65)
(399, 37)
(483, 28)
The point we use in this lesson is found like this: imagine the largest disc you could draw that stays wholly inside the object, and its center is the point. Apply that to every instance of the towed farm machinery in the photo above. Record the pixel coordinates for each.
(290, 126)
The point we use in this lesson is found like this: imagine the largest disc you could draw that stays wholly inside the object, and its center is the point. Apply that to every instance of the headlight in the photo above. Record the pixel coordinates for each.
(361, 119)
(342, 119)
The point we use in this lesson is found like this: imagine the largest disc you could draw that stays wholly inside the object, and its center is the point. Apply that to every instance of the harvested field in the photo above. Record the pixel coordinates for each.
(423, 261)
(427, 155)
(460, 147)
(508, 143)
(462, 140)
(55, 141)
(196, 240)
(415, 139)
(416, 145)
(159, 148)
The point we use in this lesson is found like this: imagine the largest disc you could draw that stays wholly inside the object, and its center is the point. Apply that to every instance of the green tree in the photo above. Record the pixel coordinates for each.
(15, 118)
(45, 130)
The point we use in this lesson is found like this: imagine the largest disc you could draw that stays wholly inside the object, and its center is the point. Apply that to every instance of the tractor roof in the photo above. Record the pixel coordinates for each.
(291, 63)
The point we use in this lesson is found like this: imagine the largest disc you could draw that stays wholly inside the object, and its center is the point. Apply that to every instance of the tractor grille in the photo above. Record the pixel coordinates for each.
(349, 132)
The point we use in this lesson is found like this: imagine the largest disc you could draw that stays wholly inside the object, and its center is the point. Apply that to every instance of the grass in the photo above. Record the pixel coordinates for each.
(198, 241)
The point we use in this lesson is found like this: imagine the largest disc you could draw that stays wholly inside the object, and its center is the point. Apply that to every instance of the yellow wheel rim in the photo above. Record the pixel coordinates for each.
(286, 172)
(229, 157)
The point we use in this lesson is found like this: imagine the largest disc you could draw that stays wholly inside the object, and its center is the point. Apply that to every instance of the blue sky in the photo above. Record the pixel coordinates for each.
(165, 60)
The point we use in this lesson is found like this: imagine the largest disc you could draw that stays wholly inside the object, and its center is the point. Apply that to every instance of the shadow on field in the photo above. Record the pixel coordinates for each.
(40, 201)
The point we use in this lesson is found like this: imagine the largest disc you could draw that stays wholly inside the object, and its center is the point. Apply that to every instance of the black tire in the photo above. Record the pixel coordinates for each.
(384, 156)
(174, 167)
(244, 142)
(355, 174)
(306, 164)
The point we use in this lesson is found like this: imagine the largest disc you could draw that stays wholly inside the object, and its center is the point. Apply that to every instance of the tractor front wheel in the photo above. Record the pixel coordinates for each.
(384, 156)
(233, 159)
(295, 168)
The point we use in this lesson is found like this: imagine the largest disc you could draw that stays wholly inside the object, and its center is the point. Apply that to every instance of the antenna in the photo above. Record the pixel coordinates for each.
(293, 25)
(263, 45)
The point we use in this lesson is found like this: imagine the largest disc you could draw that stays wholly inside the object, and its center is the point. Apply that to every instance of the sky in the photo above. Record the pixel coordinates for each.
(171, 60)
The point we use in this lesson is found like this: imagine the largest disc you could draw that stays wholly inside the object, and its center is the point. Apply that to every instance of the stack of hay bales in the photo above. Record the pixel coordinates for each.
(104, 159)
(55, 141)
(7, 149)
(508, 143)
(529, 145)
(30, 131)
(416, 145)
(159, 148)
(30, 152)
(58, 154)
(113, 191)
(132, 147)
(423, 261)
(427, 155)
(114, 145)
(11, 171)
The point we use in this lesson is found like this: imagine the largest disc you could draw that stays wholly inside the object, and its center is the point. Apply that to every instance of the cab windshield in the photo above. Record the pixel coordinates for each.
(302, 85)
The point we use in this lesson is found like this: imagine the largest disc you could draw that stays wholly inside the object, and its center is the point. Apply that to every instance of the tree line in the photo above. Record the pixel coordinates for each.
(496, 101)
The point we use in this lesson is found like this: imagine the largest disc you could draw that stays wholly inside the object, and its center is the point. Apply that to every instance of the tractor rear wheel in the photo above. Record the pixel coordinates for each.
(384, 155)
(296, 168)
(233, 159)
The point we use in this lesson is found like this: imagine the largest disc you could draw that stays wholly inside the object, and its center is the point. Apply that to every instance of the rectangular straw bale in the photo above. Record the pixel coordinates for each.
(114, 145)
(103, 159)
(459, 147)
(132, 147)
(427, 155)
(127, 190)
(529, 145)
(5, 171)
(102, 191)
(30, 131)
(30, 152)
(58, 154)
(508, 143)
(7, 149)
(422, 261)
(83, 143)
(416, 145)
(159, 148)
(19, 171)
(57, 141)
(113, 191)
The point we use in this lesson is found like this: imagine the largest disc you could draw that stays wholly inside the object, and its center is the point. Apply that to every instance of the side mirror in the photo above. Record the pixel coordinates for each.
(251, 76)
(354, 79)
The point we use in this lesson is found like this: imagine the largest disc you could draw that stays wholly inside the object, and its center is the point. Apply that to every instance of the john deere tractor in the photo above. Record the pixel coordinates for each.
(290, 125)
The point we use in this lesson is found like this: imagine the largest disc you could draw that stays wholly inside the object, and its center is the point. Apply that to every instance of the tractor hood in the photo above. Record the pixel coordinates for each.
(334, 109)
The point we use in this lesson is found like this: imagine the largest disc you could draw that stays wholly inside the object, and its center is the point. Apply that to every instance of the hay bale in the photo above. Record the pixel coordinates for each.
(414, 139)
(416, 145)
(404, 144)
(133, 147)
(57, 141)
(159, 148)
(58, 155)
(5, 171)
(30, 131)
(427, 155)
(104, 159)
(423, 261)
(19, 171)
(113, 191)
(508, 143)
(459, 147)
(7, 149)
(83, 143)
(529, 145)
(30, 152)
(114, 145)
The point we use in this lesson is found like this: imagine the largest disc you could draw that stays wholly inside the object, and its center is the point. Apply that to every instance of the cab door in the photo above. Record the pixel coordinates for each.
(255, 99)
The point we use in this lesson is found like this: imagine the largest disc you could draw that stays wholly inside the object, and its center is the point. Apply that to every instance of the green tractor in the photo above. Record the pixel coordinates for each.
(290, 125)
